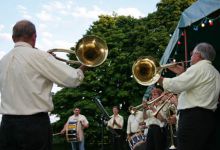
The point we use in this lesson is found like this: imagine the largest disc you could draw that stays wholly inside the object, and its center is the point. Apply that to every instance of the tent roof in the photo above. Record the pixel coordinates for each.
(198, 10)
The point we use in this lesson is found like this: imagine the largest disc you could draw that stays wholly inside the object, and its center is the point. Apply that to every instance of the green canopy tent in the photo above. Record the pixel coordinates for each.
(198, 23)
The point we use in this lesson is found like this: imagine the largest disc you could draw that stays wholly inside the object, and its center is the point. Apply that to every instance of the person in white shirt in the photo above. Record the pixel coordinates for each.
(135, 137)
(134, 120)
(199, 88)
(116, 123)
(81, 124)
(26, 79)
(156, 135)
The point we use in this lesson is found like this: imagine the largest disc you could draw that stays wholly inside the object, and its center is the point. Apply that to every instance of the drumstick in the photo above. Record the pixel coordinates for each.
(57, 134)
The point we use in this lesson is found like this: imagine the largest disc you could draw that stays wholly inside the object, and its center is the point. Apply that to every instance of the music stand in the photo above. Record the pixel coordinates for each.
(100, 106)
(104, 116)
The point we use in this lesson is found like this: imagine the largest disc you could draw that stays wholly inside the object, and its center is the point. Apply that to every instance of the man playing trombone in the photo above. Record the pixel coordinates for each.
(199, 91)
(155, 120)
(26, 79)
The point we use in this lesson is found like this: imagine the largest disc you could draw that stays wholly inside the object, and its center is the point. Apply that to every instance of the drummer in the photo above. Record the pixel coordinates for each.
(82, 123)
(134, 121)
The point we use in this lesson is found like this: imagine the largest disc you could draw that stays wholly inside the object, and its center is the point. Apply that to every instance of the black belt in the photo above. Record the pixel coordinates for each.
(188, 110)
(41, 114)
(154, 125)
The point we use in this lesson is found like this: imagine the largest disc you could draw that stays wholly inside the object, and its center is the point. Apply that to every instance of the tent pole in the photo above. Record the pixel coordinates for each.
(186, 47)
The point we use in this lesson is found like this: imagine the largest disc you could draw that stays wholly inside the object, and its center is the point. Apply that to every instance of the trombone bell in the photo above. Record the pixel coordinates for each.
(90, 51)
(145, 72)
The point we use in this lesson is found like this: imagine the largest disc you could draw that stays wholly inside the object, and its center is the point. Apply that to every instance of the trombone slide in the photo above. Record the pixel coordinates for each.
(164, 103)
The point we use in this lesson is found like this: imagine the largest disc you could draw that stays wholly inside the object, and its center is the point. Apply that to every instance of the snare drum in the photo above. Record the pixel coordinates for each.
(71, 131)
(136, 139)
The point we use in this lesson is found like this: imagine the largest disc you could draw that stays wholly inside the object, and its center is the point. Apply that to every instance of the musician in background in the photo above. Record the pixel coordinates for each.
(134, 121)
(116, 123)
(26, 79)
(82, 123)
(199, 91)
(156, 136)
(172, 118)
(134, 128)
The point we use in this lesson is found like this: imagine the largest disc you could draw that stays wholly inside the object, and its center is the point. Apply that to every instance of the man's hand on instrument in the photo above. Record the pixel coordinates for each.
(177, 69)
(151, 107)
(174, 100)
(83, 68)
(144, 103)
(172, 119)
(128, 137)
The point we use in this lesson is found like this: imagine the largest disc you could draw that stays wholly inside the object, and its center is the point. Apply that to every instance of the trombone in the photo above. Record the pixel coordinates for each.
(146, 70)
(162, 105)
(172, 146)
(90, 51)
(139, 107)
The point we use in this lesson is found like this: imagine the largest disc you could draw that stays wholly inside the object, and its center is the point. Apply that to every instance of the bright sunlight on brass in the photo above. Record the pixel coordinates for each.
(146, 70)
(90, 51)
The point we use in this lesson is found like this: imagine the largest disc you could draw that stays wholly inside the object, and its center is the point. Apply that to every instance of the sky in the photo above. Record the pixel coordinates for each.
(61, 23)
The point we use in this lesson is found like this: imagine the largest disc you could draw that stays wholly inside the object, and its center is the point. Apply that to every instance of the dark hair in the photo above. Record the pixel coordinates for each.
(159, 87)
(24, 29)
(130, 108)
(116, 107)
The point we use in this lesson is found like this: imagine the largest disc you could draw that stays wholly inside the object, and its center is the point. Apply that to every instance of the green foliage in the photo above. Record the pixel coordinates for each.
(127, 38)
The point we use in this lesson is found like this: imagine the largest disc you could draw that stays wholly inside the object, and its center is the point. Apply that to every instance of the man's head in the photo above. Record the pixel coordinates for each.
(156, 92)
(76, 111)
(24, 31)
(115, 109)
(203, 51)
(132, 109)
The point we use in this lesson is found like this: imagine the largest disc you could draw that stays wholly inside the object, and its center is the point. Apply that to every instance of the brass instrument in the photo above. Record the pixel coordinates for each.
(146, 70)
(139, 107)
(90, 51)
(134, 109)
(172, 146)
(162, 105)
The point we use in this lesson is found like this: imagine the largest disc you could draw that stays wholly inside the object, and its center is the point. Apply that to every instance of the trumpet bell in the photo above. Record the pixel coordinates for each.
(91, 51)
(145, 71)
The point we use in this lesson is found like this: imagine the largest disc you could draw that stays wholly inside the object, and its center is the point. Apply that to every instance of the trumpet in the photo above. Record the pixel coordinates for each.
(146, 70)
(90, 51)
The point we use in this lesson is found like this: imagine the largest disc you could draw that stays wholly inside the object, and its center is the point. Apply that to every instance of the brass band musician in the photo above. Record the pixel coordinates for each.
(156, 138)
(81, 124)
(26, 80)
(116, 123)
(199, 90)
(135, 136)
(134, 120)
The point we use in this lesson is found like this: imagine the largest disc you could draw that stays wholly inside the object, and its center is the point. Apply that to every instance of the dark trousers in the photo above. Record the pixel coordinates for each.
(156, 138)
(21, 132)
(196, 128)
(117, 141)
